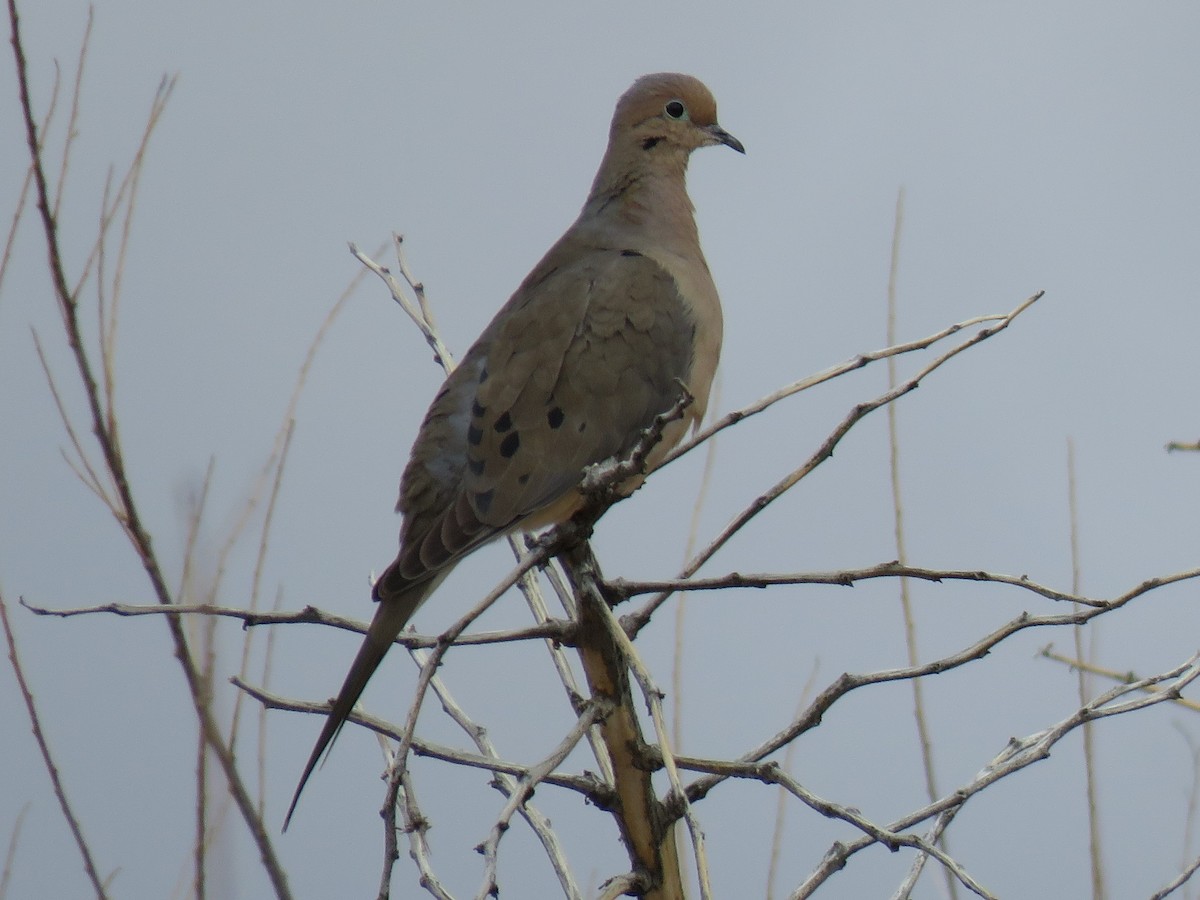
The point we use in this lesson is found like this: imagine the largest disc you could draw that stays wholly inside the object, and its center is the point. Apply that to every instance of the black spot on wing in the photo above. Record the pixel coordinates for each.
(503, 423)
(509, 445)
(555, 417)
(474, 436)
(483, 501)
(475, 465)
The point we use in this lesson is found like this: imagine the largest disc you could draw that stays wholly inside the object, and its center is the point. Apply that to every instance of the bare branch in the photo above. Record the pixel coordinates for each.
(27, 183)
(80, 464)
(129, 516)
(14, 839)
(825, 450)
(503, 781)
(259, 564)
(43, 746)
(646, 829)
(1111, 674)
(558, 656)
(552, 629)
(416, 826)
(585, 785)
(1016, 756)
(924, 737)
(847, 683)
(1175, 883)
(73, 117)
(418, 313)
(601, 482)
(891, 837)
(652, 696)
(781, 804)
(932, 836)
(406, 736)
(521, 794)
(836, 371)
(624, 589)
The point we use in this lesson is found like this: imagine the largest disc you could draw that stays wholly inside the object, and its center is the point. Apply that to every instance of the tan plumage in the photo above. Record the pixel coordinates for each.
(572, 369)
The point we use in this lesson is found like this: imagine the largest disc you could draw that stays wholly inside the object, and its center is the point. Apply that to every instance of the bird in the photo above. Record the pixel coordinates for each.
(591, 347)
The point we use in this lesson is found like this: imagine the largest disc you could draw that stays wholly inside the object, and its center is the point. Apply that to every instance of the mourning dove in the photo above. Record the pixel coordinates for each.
(574, 367)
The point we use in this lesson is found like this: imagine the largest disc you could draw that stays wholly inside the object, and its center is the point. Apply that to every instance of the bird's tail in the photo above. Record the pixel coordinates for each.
(393, 614)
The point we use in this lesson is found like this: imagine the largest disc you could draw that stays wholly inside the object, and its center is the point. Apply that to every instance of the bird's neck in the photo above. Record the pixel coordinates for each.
(643, 202)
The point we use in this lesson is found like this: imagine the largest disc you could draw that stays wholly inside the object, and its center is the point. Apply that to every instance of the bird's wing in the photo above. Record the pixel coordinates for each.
(570, 372)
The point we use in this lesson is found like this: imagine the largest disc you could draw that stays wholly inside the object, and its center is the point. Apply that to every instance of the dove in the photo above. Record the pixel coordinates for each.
(592, 346)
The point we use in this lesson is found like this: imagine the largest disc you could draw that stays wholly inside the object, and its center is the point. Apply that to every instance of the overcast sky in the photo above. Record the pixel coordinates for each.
(1041, 145)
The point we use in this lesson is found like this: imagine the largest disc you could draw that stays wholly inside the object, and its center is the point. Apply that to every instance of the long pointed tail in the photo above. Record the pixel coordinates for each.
(390, 618)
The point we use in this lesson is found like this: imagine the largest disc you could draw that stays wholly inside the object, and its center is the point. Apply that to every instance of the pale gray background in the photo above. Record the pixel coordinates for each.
(1042, 145)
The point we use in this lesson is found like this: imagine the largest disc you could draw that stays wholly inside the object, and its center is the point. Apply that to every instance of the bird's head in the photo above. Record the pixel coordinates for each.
(669, 112)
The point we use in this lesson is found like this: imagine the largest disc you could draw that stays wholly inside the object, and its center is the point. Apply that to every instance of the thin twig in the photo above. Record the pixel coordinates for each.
(892, 837)
(558, 655)
(825, 450)
(521, 793)
(706, 478)
(200, 844)
(836, 371)
(1178, 881)
(276, 462)
(417, 313)
(623, 588)
(1017, 755)
(1193, 802)
(416, 826)
(934, 835)
(924, 738)
(129, 516)
(847, 683)
(261, 755)
(552, 629)
(447, 639)
(44, 747)
(504, 782)
(781, 805)
(191, 540)
(73, 116)
(1126, 677)
(114, 199)
(14, 839)
(23, 198)
(1095, 850)
(584, 785)
(81, 465)
(260, 560)
(889, 838)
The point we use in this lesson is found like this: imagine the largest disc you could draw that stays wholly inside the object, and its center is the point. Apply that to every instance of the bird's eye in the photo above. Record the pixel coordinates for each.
(675, 109)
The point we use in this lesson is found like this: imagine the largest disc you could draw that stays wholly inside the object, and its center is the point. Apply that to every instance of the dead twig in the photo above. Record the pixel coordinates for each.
(60, 791)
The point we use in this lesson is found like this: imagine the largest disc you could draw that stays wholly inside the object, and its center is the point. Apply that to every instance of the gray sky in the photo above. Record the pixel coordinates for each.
(1042, 146)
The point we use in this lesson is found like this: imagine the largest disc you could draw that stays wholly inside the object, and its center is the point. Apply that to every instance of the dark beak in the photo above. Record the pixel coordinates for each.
(721, 136)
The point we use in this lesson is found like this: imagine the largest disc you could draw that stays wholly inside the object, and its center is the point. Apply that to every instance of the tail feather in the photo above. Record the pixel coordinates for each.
(393, 614)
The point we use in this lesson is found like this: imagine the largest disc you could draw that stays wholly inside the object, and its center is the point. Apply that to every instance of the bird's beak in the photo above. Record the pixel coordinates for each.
(721, 136)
